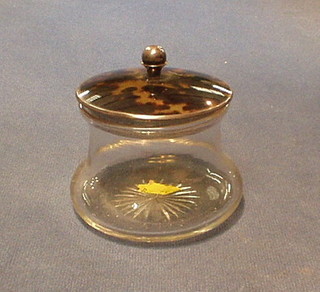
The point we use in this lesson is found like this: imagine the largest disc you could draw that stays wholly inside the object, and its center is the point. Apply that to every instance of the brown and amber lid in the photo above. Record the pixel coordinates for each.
(153, 95)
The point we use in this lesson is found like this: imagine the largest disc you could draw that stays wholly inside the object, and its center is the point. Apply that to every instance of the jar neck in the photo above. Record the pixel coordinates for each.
(148, 131)
(211, 136)
(99, 138)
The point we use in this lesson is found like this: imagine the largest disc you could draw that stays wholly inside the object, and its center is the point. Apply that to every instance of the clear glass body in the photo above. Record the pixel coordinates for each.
(156, 185)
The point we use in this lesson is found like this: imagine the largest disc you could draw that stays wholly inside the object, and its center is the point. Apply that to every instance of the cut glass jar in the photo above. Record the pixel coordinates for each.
(155, 171)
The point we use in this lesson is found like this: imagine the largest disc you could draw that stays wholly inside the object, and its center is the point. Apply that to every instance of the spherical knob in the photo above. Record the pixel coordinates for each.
(154, 56)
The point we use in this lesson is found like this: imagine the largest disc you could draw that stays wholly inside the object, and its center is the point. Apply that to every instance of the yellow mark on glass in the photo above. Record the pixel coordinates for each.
(153, 187)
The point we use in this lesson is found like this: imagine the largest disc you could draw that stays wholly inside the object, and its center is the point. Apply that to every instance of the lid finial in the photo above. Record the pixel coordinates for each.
(154, 58)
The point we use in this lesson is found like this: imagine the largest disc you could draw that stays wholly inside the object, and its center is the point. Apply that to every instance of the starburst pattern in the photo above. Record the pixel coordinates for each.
(155, 207)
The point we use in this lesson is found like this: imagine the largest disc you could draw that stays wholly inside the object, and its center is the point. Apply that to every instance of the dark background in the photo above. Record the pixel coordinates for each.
(268, 51)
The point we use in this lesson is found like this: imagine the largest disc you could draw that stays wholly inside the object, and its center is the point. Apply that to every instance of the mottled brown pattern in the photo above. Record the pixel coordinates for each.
(175, 92)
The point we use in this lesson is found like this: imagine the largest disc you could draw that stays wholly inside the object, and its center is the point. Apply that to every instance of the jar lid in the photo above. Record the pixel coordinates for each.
(152, 97)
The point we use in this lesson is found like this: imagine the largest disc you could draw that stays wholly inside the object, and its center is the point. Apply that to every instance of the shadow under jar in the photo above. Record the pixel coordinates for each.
(155, 171)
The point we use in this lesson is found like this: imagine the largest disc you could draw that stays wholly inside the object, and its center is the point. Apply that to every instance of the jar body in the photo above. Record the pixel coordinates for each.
(151, 188)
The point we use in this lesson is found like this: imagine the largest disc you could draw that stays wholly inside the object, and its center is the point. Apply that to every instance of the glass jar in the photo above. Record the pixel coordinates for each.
(155, 170)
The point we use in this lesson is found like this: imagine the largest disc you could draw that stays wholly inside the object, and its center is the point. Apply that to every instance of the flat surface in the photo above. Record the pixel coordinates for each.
(268, 51)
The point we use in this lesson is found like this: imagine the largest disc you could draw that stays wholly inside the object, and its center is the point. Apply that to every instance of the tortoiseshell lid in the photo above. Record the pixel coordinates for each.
(142, 96)
(174, 93)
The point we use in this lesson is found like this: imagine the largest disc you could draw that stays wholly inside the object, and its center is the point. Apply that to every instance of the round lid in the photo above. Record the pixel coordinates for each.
(156, 95)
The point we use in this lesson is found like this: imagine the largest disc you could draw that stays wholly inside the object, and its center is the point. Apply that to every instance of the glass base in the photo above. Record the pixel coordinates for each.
(158, 198)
